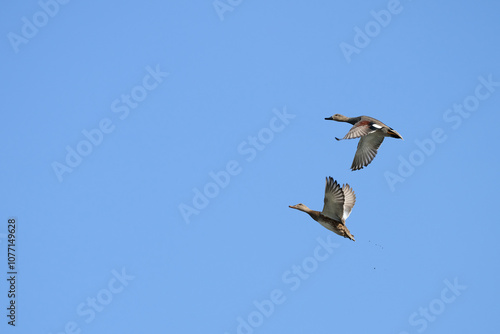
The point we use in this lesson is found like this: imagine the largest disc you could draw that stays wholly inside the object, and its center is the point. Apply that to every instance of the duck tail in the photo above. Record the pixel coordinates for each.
(348, 235)
(394, 134)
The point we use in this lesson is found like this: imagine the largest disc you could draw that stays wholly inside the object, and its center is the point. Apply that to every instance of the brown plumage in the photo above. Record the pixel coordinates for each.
(337, 207)
(372, 133)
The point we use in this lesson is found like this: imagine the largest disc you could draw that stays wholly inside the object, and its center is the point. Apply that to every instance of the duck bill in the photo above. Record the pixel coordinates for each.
(394, 134)
(329, 118)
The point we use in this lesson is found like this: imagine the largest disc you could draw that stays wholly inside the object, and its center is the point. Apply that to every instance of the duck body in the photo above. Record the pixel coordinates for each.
(372, 133)
(338, 227)
(338, 204)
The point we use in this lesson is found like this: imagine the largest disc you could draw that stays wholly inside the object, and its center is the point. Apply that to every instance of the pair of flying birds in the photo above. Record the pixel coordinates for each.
(339, 201)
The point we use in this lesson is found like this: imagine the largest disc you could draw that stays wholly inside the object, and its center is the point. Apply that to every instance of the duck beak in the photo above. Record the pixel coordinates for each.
(329, 118)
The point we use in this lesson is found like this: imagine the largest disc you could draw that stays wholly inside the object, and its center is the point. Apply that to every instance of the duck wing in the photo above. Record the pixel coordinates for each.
(334, 200)
(349, 200)
(367, 149)
(362, 128)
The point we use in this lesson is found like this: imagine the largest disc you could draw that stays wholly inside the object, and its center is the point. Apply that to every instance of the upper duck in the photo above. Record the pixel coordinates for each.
(372, 133)
(338, 206)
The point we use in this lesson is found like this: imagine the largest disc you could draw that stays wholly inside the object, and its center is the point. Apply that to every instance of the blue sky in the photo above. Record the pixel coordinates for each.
(151, 151)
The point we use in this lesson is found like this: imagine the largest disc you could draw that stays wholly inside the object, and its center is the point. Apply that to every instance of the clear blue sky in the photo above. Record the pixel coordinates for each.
(151, 149)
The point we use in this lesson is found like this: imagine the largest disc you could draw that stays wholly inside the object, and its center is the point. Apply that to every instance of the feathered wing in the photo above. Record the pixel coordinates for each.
(360, 129)
(349, 200)
(356, 132)
(334, 200)
(367, 150)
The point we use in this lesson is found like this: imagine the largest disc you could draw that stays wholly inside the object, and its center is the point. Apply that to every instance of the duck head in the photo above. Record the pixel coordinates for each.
(338, 118)
(300, 207)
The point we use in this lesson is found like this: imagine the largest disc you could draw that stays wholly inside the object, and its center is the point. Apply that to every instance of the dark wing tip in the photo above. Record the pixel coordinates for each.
(331, 184)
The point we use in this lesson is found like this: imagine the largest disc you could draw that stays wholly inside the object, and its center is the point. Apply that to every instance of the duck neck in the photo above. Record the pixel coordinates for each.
(353, 120)
(313, 213)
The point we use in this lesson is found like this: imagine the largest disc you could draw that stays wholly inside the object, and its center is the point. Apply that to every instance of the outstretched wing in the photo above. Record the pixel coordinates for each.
(334, 200)
(349, 200)
(360, 129)
(367, 150)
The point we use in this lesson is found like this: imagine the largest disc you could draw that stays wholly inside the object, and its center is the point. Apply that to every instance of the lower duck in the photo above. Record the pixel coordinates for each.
(339, 202)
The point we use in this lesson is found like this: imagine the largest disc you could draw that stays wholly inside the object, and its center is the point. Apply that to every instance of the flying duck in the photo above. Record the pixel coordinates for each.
(372, 133)
(338, 205)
